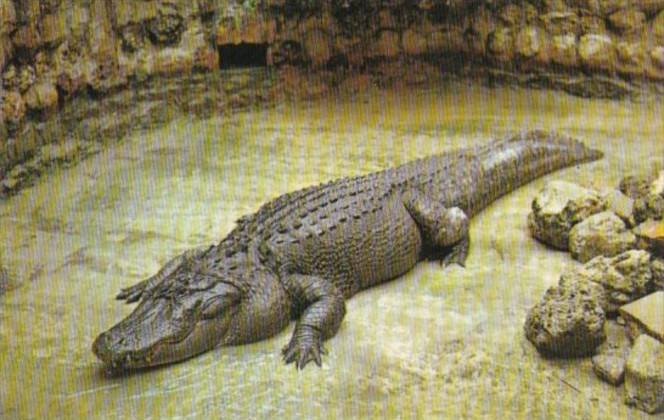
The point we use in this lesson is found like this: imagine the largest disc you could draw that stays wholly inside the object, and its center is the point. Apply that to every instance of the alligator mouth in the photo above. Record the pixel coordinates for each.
(120, 360)
(200, 337)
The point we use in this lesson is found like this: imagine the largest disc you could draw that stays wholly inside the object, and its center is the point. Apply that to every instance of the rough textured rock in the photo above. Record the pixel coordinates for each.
(560, 23)
(55, 27)
(635, 186)
(592, 24)
(621, 205)
(167, 27)
(650, 206)
(568, 321)
(645, 316)
(632, 57)
(135, 12)
(512, 14)
(6, 49)
(481, 25)
(13, 107)
(648, 199)
(110, 43)
(624, 278)
(650, 6)
(318, 45)
(26, 78)
(557, 208)
(657, 184)
(42, 96)
(68, 69)
(600, 234)
(564, 50)
(597, 51)
(5, 282)
(657, 267)
(610, 358)
(644, 375)
(7, 17)
(530, 41)
(102, 70)
(658, 28)
(657, 56)
(413, 42)
(501, 44)
(627, 21)
(651, 236)
(386, 45)
(186, 56)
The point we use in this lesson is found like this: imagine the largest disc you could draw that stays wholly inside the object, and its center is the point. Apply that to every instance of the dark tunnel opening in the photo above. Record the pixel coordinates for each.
(242, 55)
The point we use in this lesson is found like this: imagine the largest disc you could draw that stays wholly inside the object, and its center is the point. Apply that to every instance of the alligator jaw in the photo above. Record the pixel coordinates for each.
(156, 333)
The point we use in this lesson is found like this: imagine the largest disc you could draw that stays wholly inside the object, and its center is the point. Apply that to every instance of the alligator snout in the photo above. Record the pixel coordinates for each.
(103, 348)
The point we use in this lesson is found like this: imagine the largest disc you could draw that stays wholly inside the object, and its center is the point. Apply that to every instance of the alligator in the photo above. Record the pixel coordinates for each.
(301, 255)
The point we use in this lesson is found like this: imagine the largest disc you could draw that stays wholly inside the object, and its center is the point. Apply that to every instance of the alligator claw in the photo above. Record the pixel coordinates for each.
(133, 293)
(304, 350)
(452, 258)
(457, 254)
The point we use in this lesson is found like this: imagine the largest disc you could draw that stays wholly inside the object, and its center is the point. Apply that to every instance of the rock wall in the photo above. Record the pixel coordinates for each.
(615, 37)
(53, 50)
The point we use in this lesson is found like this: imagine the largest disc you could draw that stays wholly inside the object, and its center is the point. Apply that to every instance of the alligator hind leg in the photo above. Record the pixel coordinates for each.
(443, 227)
(321, 318)
(458, 253)
(134, 293)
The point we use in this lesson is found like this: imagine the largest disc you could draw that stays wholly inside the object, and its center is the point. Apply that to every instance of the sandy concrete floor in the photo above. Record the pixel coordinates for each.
(436, 342)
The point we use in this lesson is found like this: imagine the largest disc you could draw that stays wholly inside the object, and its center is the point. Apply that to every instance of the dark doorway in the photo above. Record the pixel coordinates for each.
(242, 55)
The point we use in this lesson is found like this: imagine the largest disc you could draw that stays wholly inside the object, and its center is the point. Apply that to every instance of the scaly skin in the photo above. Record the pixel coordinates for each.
(303, 254)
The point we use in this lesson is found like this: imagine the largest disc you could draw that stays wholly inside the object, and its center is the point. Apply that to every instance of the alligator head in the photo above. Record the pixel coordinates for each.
(195, 303)
(183, 316)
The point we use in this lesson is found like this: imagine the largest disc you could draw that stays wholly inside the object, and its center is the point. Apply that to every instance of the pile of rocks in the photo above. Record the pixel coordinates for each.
(612, 306)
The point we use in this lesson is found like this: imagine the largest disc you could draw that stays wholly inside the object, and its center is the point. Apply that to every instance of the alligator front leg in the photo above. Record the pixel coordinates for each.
(324, 309)
(443, 227)
(134, 293)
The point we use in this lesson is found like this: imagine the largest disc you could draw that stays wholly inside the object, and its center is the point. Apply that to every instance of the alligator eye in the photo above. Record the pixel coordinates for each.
(214, 307)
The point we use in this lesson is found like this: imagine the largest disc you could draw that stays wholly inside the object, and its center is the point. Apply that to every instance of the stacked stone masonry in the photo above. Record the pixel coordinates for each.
(51, 50)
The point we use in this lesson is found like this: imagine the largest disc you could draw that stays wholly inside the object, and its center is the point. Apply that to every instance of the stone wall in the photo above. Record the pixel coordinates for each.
(615, 37)
(53, 50)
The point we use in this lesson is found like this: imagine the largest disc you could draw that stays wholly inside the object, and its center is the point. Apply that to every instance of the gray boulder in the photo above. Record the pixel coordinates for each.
(624, 278)
(568, 321)
(648, 195)
(600, 234)
(634, 186)
(557, 208)
(657, 266)
(650, 206)
(644, 375)
(610, 358)
(645, 316)
(621, 205)
(651, 236)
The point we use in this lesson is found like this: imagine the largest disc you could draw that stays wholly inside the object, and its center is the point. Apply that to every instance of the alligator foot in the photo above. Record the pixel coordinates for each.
(457, 254)
(304, 347)
(324, 310)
